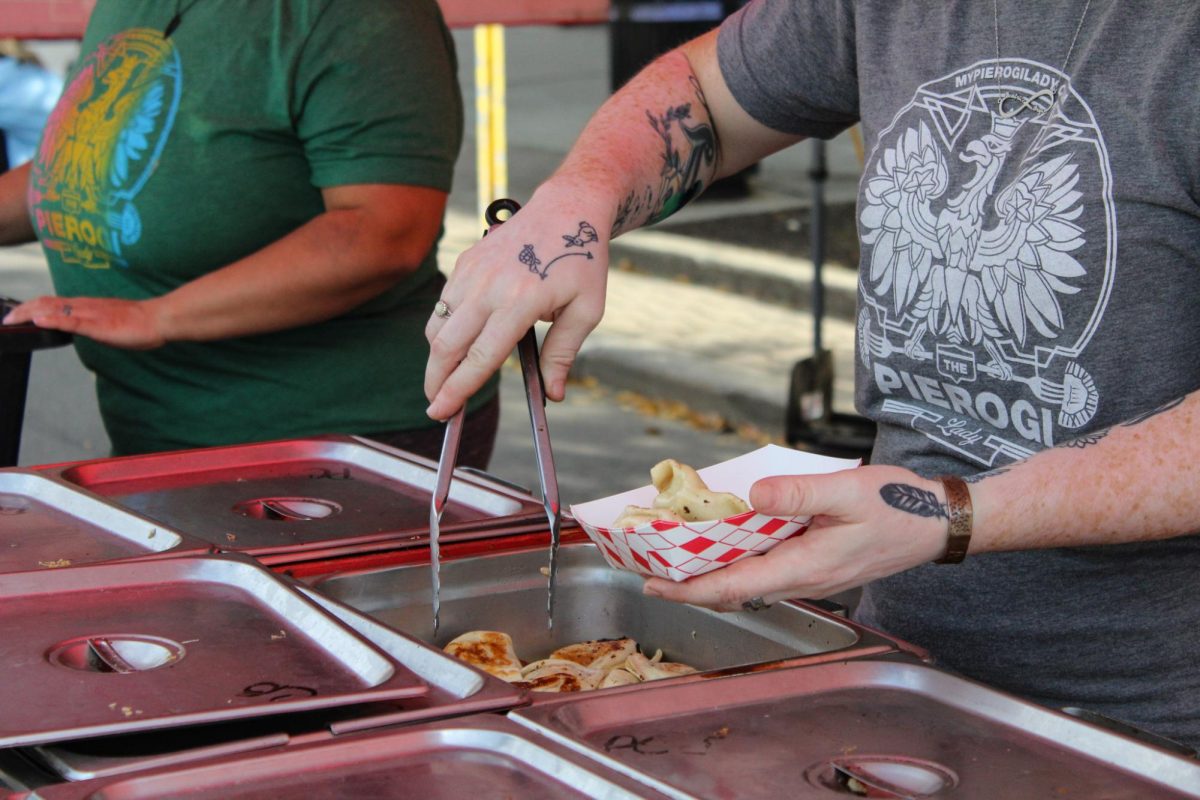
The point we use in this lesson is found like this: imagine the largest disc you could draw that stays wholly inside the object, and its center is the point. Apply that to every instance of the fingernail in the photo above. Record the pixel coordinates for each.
(766, 495)
(650, 590)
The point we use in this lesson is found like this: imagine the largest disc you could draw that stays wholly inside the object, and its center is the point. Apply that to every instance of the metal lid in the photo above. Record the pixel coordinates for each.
(45, 524)
(133, 646)
(485, 756)
(886, 728)
(455, 689)
(294, 495)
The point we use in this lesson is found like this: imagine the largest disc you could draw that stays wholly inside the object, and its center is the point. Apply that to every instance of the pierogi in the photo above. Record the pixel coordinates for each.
(579, 667)
(683, 496)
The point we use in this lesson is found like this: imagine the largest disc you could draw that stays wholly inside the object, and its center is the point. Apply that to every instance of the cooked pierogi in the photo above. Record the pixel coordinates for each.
(560, 675)
(491, 651)
(683, 491)
(634, 516)
(683, 496)
(578, 667)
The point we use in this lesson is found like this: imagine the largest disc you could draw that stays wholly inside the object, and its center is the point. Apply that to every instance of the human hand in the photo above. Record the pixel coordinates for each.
(867, 523)
(548, 262)
(130, 324)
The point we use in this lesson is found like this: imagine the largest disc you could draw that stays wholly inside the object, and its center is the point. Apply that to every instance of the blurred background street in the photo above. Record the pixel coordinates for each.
(707, 312)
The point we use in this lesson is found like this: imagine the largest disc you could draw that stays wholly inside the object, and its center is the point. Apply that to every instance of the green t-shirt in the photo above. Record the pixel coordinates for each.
(170, 157)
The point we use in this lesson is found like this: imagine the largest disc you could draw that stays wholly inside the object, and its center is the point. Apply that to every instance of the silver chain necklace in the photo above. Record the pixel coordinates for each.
(1009, 104)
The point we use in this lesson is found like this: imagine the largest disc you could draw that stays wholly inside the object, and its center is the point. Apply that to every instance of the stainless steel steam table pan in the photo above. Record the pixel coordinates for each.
(506, 591)
(46, 524)
(123, 647)
(903, 728)
(299, 494)
(473, 757)
(455, 689)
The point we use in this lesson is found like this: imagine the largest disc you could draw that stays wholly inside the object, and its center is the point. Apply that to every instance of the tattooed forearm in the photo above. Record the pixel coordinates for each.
(912, 500)
(632, 211)
(689, 158)
(581, 238)
(1089, 439)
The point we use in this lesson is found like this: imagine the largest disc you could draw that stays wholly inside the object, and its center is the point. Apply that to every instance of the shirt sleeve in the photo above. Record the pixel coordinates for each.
(792, 64)
(376, 96)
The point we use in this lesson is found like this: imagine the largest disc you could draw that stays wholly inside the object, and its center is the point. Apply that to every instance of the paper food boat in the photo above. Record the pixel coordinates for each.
(679, 550)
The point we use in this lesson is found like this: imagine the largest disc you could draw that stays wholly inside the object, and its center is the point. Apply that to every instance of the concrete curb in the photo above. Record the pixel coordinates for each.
(761, 274)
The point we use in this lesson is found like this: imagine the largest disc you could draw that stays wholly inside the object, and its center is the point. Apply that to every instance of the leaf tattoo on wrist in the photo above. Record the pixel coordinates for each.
(912, 500)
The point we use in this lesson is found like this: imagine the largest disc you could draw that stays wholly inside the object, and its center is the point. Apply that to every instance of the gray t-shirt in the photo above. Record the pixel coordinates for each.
(1024, 281)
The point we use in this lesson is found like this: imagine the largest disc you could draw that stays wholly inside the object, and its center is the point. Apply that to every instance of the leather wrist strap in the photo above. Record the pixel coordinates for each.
(958, 506)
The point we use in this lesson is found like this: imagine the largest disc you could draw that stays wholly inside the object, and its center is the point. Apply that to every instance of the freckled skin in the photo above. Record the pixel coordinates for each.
(1136, 483)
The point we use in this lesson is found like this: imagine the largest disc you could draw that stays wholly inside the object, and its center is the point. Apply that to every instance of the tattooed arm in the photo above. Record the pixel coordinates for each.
(1136, 481)
(652, 147)
(704, 136)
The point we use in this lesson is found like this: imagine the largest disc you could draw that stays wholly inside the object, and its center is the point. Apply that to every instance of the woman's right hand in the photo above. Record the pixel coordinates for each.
(550, 263)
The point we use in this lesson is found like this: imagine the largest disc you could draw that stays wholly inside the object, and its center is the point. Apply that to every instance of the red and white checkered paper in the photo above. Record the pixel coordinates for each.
(680, 550)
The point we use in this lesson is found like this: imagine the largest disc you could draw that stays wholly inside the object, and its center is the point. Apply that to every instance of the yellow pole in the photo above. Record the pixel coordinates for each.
(491, 139)
(499, 115)
(483, 125)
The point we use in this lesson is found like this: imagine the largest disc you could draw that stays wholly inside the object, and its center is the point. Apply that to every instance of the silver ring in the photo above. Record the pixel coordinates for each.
(66, 309)
(441, 310)
(755, 604)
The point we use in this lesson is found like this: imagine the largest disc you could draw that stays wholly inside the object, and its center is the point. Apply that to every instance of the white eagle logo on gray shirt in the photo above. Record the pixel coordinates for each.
(967, 265)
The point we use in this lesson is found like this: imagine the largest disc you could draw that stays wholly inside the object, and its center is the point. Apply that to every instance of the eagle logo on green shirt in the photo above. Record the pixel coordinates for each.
(101, 145)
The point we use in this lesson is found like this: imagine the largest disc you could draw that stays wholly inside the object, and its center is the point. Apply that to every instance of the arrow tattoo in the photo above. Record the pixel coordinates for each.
(585, 236)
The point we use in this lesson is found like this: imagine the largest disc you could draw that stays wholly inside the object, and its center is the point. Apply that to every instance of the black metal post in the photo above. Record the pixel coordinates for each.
(819, 174)
(14, 379)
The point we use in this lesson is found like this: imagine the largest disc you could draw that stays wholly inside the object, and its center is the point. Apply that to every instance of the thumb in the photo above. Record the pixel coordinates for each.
(782, 496)
(802, 495)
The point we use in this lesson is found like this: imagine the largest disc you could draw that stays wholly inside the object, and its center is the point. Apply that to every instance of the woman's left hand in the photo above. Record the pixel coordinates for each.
(130, 324)
(867, 523)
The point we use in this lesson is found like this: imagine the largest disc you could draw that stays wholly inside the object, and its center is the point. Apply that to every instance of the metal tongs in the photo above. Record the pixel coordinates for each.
(535, 394)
